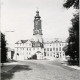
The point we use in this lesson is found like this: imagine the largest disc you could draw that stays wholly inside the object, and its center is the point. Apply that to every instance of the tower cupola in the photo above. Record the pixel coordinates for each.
(37, 31)
(37, 15)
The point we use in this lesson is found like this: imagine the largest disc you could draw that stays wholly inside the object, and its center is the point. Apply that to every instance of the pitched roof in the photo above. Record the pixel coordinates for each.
(24, 41)
(21, 41)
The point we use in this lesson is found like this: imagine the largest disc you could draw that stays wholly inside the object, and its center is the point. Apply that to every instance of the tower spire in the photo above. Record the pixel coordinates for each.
(37, 31)
(37, 15)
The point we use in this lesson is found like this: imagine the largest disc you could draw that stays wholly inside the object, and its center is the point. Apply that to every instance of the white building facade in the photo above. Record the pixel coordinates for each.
(25, 49)
(54, 50)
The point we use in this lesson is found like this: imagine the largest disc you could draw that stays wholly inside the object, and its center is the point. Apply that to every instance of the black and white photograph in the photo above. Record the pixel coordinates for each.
(39, 40)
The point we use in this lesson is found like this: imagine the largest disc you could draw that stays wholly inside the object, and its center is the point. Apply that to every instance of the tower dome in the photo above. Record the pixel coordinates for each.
(37, 14)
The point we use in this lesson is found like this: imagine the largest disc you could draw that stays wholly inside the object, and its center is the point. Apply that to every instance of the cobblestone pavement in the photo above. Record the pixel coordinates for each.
(40, 70)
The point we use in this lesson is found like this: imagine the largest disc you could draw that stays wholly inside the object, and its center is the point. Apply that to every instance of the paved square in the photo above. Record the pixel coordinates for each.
(40, 70)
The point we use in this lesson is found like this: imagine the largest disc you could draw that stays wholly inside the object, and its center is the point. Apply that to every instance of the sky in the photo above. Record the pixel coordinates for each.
(18, 16)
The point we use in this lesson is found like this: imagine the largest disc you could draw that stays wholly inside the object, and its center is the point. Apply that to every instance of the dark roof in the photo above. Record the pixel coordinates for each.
(22, 41)
(38, 52)
(37, 44)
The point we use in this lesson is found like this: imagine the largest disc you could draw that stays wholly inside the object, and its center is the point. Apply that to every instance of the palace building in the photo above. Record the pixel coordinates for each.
(25, 49)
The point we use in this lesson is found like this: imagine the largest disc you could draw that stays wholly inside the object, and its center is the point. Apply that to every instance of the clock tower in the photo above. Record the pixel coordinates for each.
(37, 31)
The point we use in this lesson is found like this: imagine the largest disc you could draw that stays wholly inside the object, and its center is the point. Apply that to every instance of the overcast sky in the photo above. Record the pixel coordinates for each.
(18, 15)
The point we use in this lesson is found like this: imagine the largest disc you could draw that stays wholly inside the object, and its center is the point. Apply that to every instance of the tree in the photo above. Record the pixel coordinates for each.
(70, 3)
(73, 39)
(3, 49)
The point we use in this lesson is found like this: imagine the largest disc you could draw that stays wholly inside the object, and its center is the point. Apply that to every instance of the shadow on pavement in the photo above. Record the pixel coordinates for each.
(18, 68)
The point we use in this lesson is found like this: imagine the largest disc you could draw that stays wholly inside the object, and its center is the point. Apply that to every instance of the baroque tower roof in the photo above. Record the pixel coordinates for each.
(37, 14)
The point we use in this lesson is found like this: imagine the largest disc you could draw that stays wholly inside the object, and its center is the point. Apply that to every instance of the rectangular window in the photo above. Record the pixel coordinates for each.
(27, 49)
(59, 48)
(56, 49)
(47, 54)
(17, 49)
(44, 49)
(51, 54)
(50, 49)
(53, 49)
(54, 54)
(44, 53)
(47, 49)
(60, 54)
(60, 44)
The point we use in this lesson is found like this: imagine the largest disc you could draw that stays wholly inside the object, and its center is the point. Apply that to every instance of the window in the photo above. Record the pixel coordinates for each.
(53, 49)
(56, 49)
(60, 44)
(63, 54)
(17, 49)
(37, 48)
(60, 54)
(44, 53)
(54, 54)
(18, 54)
(57, 56)
(47, 49)
(50, 49)
(51, 54)
(47, 54)
(59, 48)
(44, 49)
